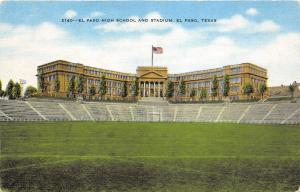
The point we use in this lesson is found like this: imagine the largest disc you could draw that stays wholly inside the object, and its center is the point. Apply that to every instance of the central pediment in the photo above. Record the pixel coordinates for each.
(152, 75)
(152, 72)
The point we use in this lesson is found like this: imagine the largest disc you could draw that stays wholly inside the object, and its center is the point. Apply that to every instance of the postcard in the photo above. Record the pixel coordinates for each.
(149, 96)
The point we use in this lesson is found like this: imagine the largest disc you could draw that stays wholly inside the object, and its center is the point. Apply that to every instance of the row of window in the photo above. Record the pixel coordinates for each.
(51, 77)
(236, 70)
(208, 83)
(112, 90)
(257, 81)
(189, 87)
(236, 80)
(258, 72)
(109, 75)
(195, 76)
(46, 69)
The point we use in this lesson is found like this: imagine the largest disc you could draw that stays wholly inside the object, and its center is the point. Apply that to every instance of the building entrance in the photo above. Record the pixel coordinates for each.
(151, 89)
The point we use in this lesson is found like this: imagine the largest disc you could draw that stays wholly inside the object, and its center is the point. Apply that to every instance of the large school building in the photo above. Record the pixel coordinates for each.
(152, 80)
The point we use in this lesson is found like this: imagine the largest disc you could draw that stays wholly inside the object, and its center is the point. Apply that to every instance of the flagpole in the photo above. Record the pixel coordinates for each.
(152, 56)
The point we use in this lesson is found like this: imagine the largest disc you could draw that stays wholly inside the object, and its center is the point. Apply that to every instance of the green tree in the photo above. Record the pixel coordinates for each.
(71, 87)
(135, 87)
(248, 89)
(1, 91)
(9, 89)
(124, 89)
(226, 86)
(170, 89)
(215, 87)
(102, 87)
(92, 91)
(203, 94)
(193, 93)
(57, 85)
(79, 84)
(17, 90)
(30, 90)
(291, 89)
(41, 83)
(262, 89)
(182, 89)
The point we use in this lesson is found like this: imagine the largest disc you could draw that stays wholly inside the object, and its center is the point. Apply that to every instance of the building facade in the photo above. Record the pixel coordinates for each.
(152, 80)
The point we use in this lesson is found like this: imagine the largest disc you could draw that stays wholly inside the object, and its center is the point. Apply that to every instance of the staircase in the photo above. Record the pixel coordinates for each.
(153, 101)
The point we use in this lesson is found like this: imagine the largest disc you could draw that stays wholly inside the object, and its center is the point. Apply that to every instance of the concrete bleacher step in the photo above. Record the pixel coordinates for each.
(17, 110)
(279, 113)
(51, 110)
(209, 113)
(233, 112)
(153, 101)
(98, 111)
(257, 112)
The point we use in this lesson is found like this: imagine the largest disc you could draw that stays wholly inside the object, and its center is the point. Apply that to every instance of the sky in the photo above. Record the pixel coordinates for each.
(266, 33)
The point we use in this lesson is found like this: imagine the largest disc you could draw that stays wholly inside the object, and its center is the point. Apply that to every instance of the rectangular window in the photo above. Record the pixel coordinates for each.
(235, 88)
(236, 70)
(235, 80)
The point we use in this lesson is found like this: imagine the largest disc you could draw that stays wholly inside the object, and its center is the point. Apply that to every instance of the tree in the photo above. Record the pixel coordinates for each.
(203, 94)
(182, 88)
(41, 83)
(79, 84)
(215, 86)
(71, 87)
(193, 93)
(135, 87)
(226, 86)
(262, 89)
(1, 91)
(124, 89)
(102, 87)
(92, 91)
(57, 85)
(17, 90)
(248, 89)
(9, 89)
(30, 90)
(170, 89)
(291, 89)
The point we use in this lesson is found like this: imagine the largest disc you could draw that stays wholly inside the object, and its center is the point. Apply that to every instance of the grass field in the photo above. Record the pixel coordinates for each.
(112, 156)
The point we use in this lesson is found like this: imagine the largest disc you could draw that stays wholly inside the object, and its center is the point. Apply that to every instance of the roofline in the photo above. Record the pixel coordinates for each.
(141, 67)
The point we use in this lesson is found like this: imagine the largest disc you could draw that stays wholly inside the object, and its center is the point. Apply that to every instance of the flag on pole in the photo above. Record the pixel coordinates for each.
(157, 50)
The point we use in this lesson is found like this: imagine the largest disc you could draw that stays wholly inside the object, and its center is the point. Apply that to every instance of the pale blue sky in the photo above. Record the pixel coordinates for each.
(263, 32)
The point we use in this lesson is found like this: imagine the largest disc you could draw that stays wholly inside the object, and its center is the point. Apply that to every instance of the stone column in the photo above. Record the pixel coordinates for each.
(163, 89)
(149, 88)
(144, 85)
(158, 88)
(155, 89)
(139, 92)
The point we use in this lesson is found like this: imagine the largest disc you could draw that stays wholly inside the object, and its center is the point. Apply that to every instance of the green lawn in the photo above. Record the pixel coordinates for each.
(113, 156)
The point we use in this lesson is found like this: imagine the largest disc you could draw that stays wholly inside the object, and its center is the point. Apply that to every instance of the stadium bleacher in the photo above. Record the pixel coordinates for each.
(97, 111)
(32, 110)
(17, 111)
(233, 112)
(51, 111)
(210, 113)
(257, 112)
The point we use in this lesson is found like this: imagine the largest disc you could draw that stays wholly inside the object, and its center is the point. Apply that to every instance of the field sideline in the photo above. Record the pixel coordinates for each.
(116, 156)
